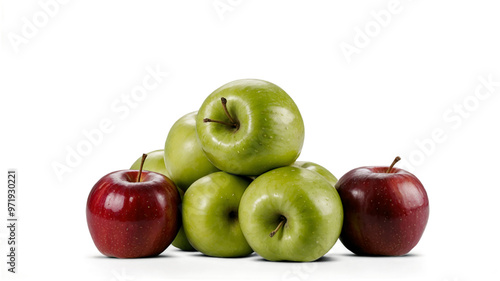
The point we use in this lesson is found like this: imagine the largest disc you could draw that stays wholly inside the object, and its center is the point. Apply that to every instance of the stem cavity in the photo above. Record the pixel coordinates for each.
(280, 225)
(232, 122)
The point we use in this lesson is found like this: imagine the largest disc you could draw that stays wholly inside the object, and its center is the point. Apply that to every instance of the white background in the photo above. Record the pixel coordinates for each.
(413, 76)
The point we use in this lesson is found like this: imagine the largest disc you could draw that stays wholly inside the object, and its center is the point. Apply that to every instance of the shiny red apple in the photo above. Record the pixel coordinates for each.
(385, 210)
(133, 213)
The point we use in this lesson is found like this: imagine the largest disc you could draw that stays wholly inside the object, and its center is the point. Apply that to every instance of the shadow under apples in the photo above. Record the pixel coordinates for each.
(322, 259)
(200, 254)
(410, 255)
(142, 258)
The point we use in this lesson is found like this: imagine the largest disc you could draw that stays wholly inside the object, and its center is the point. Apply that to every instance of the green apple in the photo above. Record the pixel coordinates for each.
(250, 126)
(185, 161)
(181, 240)
(155, 163)
(210, 215)
(318, 169)
(291, 214)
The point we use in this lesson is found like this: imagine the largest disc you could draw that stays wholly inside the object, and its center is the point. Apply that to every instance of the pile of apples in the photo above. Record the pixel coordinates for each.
(227, 184)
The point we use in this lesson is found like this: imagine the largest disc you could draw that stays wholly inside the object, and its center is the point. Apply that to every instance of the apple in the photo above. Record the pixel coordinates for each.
(132, 214)
(184, 159)
(291, 214)
(386, 210)
(181, 242)
(318, 169)
(210, 215)
(250, 126)
(155, 163)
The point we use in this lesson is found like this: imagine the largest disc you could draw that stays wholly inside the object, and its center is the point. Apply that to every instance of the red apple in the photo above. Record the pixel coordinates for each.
(385, 210)
(132, 214)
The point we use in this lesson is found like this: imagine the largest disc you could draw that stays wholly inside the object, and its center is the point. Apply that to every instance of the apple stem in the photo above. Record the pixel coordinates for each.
(233, 123)
(144, 155)
(282, 222)
(217, 121)
(224, 106)
(393, 163)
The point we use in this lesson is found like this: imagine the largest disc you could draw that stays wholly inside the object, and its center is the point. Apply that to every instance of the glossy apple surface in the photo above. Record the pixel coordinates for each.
(267, 130)
(318, 169)
(185, 161)
(155, 163)
(130, 219)
(301, 205)
(385, 213)
(210, 215)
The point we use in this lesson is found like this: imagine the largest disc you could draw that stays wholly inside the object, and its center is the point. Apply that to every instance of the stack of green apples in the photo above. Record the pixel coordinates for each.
(234, 163)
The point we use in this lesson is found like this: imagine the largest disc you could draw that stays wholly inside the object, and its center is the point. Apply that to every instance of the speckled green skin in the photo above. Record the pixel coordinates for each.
(185, 161)
(154, 163)
(210, 215)
(312, 209)
(318, 169)
(270, 133)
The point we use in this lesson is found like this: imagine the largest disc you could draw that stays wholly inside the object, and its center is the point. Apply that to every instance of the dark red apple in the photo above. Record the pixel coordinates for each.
(132, 214)
(385, 210)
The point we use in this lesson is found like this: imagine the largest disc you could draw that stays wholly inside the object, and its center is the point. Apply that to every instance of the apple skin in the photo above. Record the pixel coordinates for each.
(385, 213)
(312, 209)
(155, 163)
(185, 161)
(210, 215)
(129, 219)
(318, 169)
(270, 132)
(181, 241)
